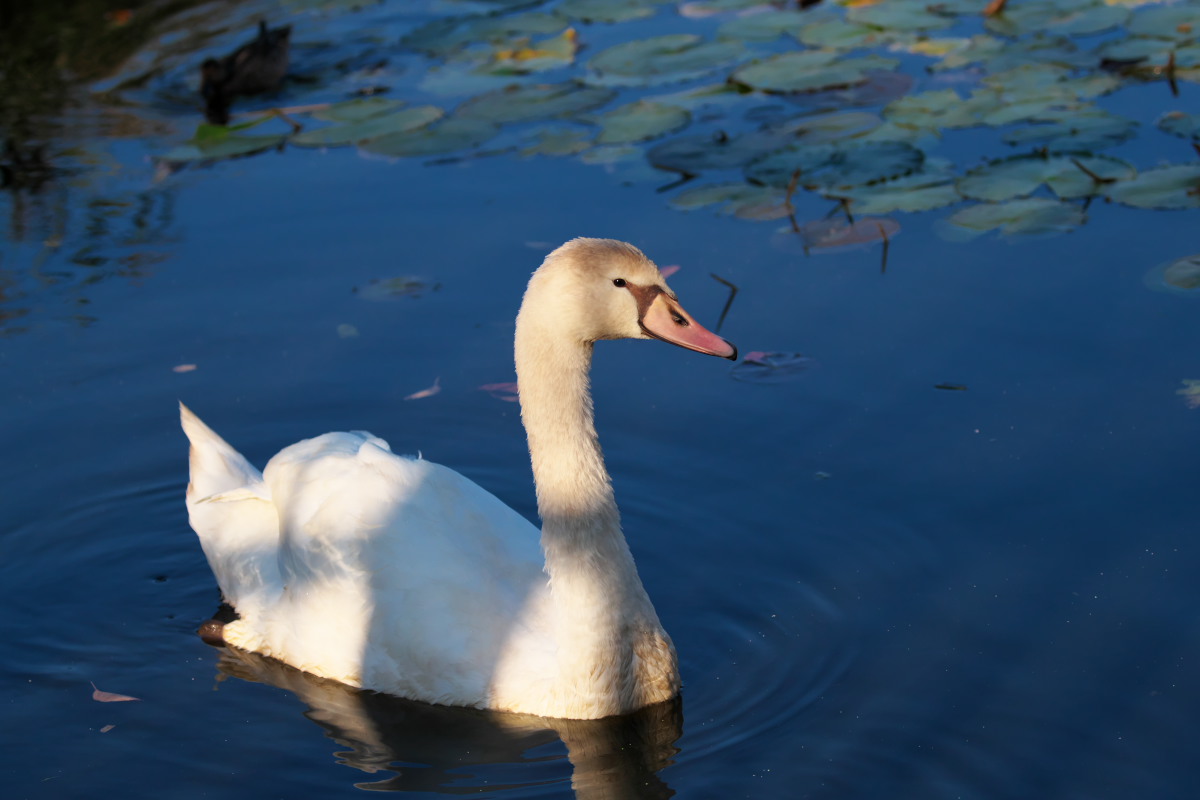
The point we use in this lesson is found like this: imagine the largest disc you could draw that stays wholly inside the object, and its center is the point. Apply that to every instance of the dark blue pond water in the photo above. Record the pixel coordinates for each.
(877, 588)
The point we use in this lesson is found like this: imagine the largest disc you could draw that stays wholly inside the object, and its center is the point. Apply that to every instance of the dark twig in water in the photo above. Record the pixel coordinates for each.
(787, 201)
(683, 178)
(1090, 174)
(1171, 75)
(733, 290)
(951, 387)
(887, 243)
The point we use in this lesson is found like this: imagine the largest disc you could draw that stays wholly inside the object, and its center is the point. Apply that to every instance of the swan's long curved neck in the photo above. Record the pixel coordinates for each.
(592, 573)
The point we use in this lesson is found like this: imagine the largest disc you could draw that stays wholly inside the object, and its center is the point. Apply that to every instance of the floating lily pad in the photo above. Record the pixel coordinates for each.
(1180, 124)
(829, 168)
(761, 367)
(1067, 176)
(369, 128)
(660, 59)
(1030, 216)
(640, 121)
(527, 56)
(358, 109)
(608, 10)
(1179, 22)
(932, 110)
(763, 26)
(556, 142)
(838, 34)
(442, 37)
(1064, 17)
(809, 71)
(448, 136)
(739, 199)
(230, 146)
(901, 15)
(839, 234)
(1166, 187)
(542, 101)
(695, 153)
(932, 187)
(1093, 129)
(1181, 276)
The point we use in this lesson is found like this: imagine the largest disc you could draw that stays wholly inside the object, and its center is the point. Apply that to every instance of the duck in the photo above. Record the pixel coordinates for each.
(398, 575)
(256, 67)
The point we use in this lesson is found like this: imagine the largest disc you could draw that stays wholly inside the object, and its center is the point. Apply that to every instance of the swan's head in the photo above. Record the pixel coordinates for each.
(592, 289)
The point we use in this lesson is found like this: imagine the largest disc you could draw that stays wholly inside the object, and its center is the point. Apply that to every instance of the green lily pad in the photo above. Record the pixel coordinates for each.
(839, 234)
(555, 141)
(640, 121)
(1066, 176)
(660, 59)
(829, 168)
(763, 27)
(369, 128)
(1175, 186)
(933, 110)
(838, 34)
(1179, 22)
(1186, 126)
(1181, 276)
(901, 15)
(700, 152)
(214, 149)
(1029, 216)
(608, 10)
(931, 187)
(809, 71)
(442, 37)
(713, 94)
(525, 56)
(358, 109)
(448, 136)
(741, 200)
(1063, 17)
(541, 101)
(1091, 130)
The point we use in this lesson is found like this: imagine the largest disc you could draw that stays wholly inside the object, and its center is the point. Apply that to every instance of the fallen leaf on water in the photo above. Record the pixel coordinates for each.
(669, 270)
(107, 728)
(183, 368)
(110, 697)
(430, 392)
(1190, 393)
(759, 366)
(501, 391)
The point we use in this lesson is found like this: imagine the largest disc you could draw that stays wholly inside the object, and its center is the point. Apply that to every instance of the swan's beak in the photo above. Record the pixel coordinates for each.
(663, 318)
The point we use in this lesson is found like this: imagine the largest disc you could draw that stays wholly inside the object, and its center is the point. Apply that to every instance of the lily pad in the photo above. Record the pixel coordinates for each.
(901, 15)
(763, 26)
(560, 141)
(1064, 17)
(608, 10)
(1181, 276)
(838, 34)
(738, 199)
(1180, 22)
(1180, 124)
(448, 136)
(214, 149)
(1092, 129)
(660, 59)
(932, 187)
(1031, 216)
(809, 71)
(839, 234)
(442, 37)
(640, 121)
(525, 56)
(695, 153)
(829, 168)
(369, 128)
(542, 101)
(358, 109)
(1066, 176)
(1175, 186)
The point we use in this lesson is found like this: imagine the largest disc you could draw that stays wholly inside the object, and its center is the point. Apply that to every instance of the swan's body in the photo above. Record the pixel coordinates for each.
(399, 575)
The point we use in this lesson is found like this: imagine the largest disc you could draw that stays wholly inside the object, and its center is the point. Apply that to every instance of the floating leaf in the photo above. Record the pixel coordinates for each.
(390, 288)
(1033, 215)
(763, 26)
(741, 200)
(837, 233)
(542, 101)
(762, 367)
(441, 37)
(1190, 393)
(1078, 130)
(932, 187)
(607, 10)
(358, 109)
(662, 58)
(899, 15)
(527, 56)
(829, 168)
(1180, 22)
(1181, 276)
(640, 121)
(1064, 17)
(427, 392)
(1166, 187)
(369, 128)
(809, 71)
(231, 146)
(448, 136)
(183, 368)
(107, 728)
(839, 34)
(110, 697)
(1067, 176)
(1180, 124)
(560, 141)
(700, 152)
(502, 391)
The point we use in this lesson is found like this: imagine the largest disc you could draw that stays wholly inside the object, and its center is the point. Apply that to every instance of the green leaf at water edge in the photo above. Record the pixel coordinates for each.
(442, 37)
(763, 27)
(809, 71)
(608, 10)
(739, 199)
(555, 141)
(828, 168)
(639, 121)
(1077, 130)
(1166, 187)
(540, 101)
(447, 136)
(1180, 124)
(1030, 216)
(1181, 276)
(227, 147)
(369, 128)
(1179, 22)
(901, 15)
(1063, 17)
(838, 34)
(644, 62)
(1067, 176)
(933, 186)
(358, 109)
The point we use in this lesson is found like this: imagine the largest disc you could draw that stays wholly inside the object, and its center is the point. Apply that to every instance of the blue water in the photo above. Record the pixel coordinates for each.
(877, 588)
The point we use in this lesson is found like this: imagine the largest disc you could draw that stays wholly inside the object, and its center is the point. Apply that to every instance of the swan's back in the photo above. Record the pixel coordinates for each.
(396, 574)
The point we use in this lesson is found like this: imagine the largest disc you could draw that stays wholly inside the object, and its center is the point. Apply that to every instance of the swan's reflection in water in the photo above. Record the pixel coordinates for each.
(465, 751)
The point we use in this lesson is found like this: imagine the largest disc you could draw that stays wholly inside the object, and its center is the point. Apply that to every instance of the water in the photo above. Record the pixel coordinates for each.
(876, 587)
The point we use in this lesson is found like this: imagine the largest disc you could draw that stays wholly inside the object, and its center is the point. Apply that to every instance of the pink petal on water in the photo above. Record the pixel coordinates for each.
(183, 368)
(108, 728)
(110, 697)
(501, 391)
(430, 392)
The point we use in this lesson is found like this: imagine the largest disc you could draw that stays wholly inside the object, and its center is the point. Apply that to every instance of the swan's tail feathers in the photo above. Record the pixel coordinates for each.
(216, 467)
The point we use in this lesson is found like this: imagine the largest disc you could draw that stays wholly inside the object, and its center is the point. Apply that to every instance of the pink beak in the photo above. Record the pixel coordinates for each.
(665, 319)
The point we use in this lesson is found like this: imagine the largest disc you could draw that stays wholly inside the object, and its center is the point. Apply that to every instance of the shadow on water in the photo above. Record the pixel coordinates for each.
(465, 751)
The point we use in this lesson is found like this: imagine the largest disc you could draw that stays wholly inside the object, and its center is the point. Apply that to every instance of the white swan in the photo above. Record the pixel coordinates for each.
(399, 575)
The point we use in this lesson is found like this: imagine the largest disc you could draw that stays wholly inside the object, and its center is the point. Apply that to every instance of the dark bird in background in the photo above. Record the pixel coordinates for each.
(257, 66)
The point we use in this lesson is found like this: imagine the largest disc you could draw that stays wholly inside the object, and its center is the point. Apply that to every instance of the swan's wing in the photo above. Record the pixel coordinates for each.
(399, 574)
(230, 508)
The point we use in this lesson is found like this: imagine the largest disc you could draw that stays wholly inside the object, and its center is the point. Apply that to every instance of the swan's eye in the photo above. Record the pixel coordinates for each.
(679, 320)
(618, 282)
